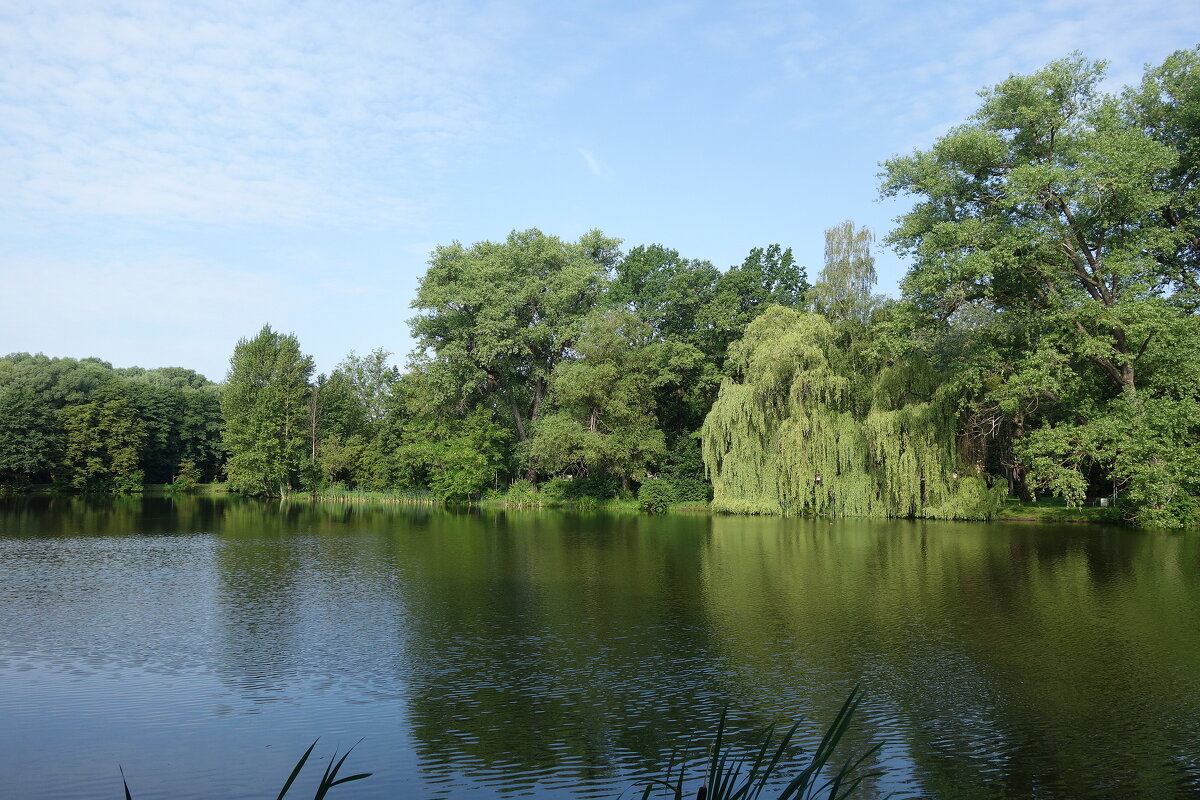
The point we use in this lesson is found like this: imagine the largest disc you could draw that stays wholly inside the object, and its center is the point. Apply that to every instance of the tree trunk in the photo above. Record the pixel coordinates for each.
(517, 417)
(539, 392)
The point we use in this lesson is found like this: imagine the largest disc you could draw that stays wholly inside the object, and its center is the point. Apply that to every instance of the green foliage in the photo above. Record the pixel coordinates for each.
(266, 404)
(593, 360)
(732, 776)
(371, 379)
(498, 318)
(1069, 217)
(523, 494)
(684, 472)
(29, 437)
(844, 290)
(668, 292)
(465, 462)
(790, 437)
(655, 495)
(767, 277)
(57, 382)
(103, 439)
(591, 487)
(178, 409)
(602, 418)
(425, 441)
(187, 477)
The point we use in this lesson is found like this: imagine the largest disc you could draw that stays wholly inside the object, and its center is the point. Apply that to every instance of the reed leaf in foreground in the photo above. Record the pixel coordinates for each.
(745, 777)
(728, 776)
(327, 782)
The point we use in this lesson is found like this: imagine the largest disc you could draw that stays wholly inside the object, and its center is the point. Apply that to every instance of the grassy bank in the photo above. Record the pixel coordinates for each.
(1055, 510)
(202, 489)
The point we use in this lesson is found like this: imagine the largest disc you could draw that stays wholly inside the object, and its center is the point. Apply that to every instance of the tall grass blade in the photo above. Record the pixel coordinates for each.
(330, 778)
(728, 777)
(296, 769)
(123, 783)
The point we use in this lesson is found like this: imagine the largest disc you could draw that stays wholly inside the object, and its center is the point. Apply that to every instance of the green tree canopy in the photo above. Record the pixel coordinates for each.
(1070, 214)
(498, 317)
(266, 407)
(602, 404)
(103, 442)
(30, 436)
(788, 434)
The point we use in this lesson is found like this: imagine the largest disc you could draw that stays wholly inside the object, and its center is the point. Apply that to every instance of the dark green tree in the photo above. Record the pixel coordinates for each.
(103, 441)
(498, 317)
(30, 437)
(426, 442)
(602, 404)
(1072, 214)
(768, 276)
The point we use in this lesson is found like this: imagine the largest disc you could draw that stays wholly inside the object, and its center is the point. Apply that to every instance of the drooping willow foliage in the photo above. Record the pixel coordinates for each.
(803, 431)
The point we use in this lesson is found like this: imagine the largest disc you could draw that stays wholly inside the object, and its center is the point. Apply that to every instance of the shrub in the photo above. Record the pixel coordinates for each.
(522, 493)
(655, 495)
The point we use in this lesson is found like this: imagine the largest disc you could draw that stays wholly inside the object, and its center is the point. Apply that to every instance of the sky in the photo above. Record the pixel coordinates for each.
(173, 176)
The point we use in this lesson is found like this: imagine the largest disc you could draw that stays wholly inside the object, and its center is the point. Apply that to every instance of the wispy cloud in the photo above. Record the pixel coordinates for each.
(593, 164)
(922, 65)
(232, 112)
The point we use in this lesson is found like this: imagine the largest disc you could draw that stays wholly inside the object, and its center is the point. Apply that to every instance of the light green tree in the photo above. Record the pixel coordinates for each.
(790, 434)
(371, 378)
(266, 407)
(844, 291)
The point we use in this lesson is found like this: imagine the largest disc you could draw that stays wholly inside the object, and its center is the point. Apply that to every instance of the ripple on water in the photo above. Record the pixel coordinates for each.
(483, 657)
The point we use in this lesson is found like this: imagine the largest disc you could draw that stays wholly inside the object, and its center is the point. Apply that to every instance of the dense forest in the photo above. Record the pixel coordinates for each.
(1046, 341)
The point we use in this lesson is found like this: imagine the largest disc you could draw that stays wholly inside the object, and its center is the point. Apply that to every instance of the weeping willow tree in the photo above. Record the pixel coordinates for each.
(798, 433)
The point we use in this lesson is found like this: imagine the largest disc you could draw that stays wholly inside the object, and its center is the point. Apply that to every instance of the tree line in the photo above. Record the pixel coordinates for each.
(1045, 342)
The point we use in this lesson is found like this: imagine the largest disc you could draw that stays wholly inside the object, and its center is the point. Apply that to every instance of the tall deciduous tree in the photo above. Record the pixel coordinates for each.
(845, 288)
(601, 420)
(768, 276)
(500, 316)
(266, 408)
(1072, 214)
(1049, 201)
(371, 377)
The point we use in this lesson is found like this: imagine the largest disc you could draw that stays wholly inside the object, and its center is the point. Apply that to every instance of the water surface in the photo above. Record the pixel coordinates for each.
(202, 644)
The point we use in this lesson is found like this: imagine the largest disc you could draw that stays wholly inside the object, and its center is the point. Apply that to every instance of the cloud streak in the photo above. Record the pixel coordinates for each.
(593, 164)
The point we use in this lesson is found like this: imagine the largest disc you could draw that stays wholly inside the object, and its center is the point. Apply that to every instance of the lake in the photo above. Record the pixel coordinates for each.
(203, 643)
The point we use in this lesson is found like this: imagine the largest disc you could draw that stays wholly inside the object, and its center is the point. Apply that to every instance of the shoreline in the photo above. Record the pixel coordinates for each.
(1050, 511)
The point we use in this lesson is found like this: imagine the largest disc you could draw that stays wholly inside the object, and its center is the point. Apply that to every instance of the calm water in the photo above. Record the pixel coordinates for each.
(203, 644)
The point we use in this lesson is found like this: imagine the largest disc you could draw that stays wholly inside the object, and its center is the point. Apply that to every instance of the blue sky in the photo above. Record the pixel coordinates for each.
(176, 174)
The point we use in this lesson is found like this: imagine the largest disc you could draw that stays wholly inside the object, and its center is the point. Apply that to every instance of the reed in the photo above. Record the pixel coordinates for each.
(745, 776)
(728, 774)
(328, 780)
